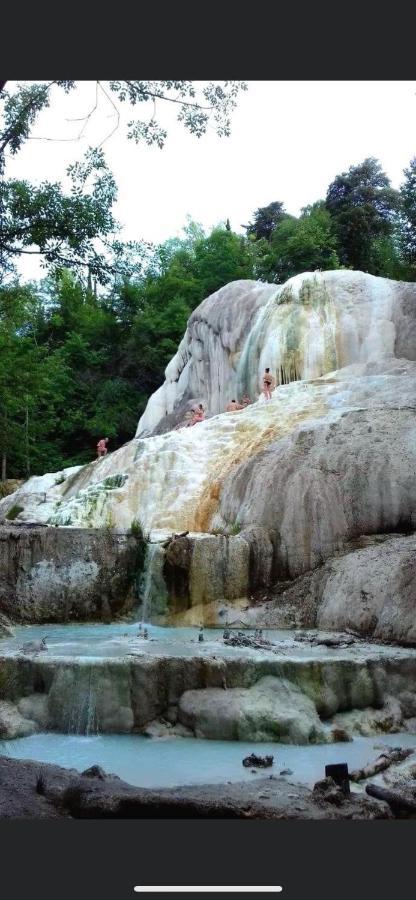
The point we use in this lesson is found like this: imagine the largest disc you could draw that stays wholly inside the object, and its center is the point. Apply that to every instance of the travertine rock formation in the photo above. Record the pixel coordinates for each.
(274, 495)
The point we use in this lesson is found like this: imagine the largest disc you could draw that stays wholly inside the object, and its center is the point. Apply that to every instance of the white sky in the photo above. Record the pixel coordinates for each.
(289, 139)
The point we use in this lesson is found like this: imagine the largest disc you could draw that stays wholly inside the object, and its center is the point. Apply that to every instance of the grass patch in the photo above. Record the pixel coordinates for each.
(114, 481)
(13, 512)
(136, 529)
(235, 528)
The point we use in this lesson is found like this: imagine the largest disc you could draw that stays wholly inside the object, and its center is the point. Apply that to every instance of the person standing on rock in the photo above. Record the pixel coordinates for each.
(102, 447)
(269, 384)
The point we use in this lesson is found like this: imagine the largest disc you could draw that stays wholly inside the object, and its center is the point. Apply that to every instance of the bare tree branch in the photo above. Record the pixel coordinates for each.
(116, 112)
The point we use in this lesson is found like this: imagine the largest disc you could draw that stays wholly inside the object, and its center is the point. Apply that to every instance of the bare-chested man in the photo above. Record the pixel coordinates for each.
(269, 384)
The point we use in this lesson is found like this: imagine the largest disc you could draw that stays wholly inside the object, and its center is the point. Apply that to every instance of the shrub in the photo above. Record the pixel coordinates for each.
(136, 530)
(13, 512)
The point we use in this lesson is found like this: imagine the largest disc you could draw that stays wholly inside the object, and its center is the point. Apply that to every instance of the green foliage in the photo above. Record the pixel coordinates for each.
(114, 481)
(266, 220)
(235, 528)
(407, 221)
(76, 229)
(136, 530)
(299, 245)
(13, 512)
(362, 205)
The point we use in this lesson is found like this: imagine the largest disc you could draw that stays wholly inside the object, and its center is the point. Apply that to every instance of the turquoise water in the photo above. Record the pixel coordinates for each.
(121, 638)
(148, 762)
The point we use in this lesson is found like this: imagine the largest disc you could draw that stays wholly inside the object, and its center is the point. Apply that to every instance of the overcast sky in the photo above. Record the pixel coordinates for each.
(289, 139)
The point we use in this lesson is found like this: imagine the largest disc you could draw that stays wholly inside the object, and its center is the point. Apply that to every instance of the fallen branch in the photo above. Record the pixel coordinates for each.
(401, 803)
(380, 764)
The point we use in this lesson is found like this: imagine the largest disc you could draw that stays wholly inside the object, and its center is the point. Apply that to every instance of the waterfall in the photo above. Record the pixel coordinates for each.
(153, 593)
(294, 335)
(73, 700)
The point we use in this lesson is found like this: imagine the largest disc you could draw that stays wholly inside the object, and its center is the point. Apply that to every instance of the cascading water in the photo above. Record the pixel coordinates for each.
(294, 335)
(153, 594)
(73, 700)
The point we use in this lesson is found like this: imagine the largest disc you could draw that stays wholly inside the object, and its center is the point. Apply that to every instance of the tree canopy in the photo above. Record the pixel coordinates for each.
(265, 221)
(362, 205)
(77, 229)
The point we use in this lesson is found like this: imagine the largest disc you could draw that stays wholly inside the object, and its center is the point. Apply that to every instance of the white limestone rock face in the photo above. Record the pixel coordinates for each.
(206, 363)
(373, 591)
(368, 589)
(349, 472)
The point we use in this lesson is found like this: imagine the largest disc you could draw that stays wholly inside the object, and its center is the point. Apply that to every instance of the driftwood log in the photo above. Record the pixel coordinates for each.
(380, 764)
(399, 802)
(258, 762)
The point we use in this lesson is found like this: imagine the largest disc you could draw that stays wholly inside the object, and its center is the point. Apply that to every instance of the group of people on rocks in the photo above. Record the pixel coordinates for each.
(197, 414)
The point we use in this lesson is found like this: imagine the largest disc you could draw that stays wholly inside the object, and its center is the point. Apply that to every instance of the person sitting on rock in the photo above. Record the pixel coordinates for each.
(245, 401)
(269, 384)
(198, 415)
(233, 406)
(102, 447)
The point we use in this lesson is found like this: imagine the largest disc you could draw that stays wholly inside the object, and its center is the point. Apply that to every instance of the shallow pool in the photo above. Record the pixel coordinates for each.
(96, 641)
(147, 762)
(121, 639)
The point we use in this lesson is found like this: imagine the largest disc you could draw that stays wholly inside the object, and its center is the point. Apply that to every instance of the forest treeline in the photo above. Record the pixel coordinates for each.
(78, 360)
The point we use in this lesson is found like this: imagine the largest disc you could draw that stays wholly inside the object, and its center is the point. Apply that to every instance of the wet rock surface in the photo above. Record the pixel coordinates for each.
(64, 574)
(66, 793)
(12, 723)
(6, 628)
(273, 709)
(291, 691)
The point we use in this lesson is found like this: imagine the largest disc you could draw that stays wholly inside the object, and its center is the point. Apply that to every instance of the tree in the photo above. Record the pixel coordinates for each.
(362, 205)
(299, 245)
(220, 258)
(63, 228)
(407, 221)
(266, 219)
(29, 382)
